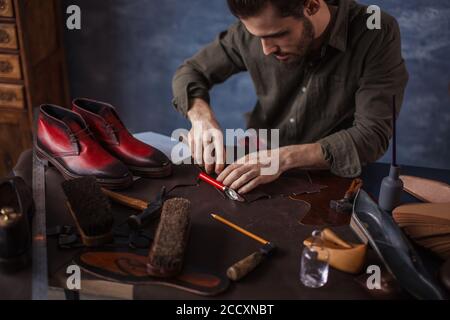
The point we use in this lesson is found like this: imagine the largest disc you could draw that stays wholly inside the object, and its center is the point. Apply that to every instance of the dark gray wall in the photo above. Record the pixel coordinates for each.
(128, 50)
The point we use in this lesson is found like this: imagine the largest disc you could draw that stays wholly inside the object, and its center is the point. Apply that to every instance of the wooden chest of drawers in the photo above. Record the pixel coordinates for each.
(32, 70)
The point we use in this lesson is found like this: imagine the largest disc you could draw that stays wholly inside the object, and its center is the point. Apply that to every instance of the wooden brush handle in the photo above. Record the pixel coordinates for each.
(245, 266)
(127, 201)
(90, 241)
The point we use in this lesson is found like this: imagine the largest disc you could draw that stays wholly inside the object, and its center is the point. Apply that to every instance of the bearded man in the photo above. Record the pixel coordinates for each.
(322, 77)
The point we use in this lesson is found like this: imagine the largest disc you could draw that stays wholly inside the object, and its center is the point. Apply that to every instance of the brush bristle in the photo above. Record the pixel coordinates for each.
(90, 206)
(167, 252)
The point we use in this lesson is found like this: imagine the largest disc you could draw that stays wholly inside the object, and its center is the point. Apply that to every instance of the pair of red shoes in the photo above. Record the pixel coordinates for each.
(91, 140)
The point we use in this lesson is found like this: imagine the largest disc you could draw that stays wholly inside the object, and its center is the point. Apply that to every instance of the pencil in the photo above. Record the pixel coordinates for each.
(239, 229)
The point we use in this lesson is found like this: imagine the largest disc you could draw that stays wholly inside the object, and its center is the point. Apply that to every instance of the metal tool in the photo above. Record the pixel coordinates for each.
(150, 213)
(345, 205)
(391, 186)
(230, 193)
(243, 267)
(39, 251)
(39, 270)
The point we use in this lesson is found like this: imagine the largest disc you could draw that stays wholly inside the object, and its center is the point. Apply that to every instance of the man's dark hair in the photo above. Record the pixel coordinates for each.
(250, 8)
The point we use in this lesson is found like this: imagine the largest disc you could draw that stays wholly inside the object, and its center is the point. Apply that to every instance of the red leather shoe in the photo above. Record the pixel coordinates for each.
(64, 139)
(109, 130)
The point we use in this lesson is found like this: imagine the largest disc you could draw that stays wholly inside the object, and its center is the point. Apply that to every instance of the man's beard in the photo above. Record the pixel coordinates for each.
(304, 46)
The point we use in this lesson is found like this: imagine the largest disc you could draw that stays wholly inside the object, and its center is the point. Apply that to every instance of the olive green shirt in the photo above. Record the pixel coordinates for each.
(342, 98)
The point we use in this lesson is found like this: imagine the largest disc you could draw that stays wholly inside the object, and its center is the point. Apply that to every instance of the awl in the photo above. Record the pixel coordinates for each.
(243, 267)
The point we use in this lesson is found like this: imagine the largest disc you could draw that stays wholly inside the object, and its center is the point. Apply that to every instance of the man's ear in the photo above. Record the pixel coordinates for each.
(311, 7)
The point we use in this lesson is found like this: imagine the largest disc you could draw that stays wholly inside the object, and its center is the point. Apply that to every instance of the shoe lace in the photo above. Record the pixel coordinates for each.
(112, 128)
(85, 132)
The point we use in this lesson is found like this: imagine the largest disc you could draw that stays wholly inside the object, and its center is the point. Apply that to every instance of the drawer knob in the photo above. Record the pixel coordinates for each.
(8, 96)
(4, 36)
(5, 66)
(3, 5)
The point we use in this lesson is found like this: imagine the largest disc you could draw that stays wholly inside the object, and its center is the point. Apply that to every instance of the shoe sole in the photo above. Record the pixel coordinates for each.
(161, 172)
(119, 183)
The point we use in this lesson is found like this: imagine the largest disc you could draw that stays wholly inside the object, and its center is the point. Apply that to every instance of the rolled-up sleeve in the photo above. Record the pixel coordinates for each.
(383, 77)
(210, 66)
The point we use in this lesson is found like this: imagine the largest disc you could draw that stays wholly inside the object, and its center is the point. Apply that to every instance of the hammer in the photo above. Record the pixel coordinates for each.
(345, 205)
(149, 211)
(243, 267)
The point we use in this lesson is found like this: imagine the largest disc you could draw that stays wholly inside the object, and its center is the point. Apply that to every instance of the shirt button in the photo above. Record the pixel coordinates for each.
(292, 120)
(304, 89)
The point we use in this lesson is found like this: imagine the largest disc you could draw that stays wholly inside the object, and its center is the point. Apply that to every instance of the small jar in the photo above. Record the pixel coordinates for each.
(314, 263)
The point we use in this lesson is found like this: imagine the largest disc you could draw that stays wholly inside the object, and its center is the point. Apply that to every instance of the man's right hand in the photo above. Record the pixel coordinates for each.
(205, 137)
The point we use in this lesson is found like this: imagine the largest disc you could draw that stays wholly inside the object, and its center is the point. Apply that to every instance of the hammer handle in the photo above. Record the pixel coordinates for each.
(245, 266)
(353, 189)
(127, 201)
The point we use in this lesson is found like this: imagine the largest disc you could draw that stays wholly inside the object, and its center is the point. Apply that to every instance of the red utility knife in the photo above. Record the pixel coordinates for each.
(230, 193)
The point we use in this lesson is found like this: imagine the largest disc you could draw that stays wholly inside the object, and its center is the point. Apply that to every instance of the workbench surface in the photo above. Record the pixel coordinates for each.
(214, 247)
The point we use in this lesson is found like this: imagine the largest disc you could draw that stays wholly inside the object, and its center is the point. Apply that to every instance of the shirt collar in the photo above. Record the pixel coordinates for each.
(339, 34)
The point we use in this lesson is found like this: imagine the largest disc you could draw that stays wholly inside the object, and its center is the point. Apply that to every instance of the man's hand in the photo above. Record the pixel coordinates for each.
(251, 171)
(245, 174)
(205, 137)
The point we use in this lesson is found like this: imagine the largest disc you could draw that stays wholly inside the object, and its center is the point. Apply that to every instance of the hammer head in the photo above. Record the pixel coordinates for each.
(345, 205)
(152, 212)
(268, 249)
(341, 206)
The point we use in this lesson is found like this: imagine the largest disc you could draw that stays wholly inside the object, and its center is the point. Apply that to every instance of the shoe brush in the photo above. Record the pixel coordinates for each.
(91, 211)
(166, 254)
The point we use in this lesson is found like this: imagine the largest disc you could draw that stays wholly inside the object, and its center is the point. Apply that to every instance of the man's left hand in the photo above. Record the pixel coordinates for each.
(247, 173)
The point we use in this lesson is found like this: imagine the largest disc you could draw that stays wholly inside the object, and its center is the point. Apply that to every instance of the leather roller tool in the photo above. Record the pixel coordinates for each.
(243, 267)
(230, 193)
(345, 205)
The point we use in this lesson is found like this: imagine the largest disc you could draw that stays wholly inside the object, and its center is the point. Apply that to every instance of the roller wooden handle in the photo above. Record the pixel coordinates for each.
(127, 201)
(245, 266)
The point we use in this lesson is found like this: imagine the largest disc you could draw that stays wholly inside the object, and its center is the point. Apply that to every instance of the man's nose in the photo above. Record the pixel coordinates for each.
(268, 47)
